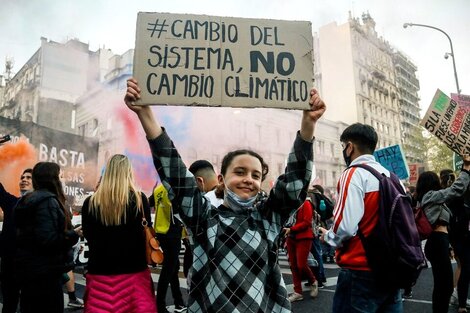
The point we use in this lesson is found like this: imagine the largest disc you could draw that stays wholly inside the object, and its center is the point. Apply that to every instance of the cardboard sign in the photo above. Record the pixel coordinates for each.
(449, 121)
(201, 60)
(393, 159)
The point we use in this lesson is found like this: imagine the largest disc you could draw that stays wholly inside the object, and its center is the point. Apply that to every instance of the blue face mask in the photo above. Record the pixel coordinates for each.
(236, 203)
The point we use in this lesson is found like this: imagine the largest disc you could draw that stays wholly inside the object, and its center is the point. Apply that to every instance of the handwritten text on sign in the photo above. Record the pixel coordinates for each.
(450, 122)
(223, 61)
(393, 159)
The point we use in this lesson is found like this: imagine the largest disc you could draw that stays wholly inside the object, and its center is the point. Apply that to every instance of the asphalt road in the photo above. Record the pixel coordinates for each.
(419, 303)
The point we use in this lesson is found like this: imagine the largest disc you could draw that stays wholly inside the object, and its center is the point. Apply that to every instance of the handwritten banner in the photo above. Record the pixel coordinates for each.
(205, 60)
(449, 121)
(393, 159)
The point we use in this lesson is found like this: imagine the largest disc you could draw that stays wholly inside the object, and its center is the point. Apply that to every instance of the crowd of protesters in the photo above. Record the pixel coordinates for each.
(232, 230)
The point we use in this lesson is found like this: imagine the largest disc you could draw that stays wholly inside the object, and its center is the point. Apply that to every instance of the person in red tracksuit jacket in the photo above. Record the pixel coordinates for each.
(299, 241)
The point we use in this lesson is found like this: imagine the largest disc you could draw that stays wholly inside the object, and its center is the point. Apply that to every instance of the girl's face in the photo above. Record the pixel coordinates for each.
(243, 176)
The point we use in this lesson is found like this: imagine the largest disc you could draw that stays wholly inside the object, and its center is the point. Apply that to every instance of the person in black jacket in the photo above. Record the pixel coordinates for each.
(43, 239)
(8, 202)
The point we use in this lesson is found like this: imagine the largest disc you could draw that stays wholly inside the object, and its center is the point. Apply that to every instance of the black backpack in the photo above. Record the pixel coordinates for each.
(327, 213)
(393, 249)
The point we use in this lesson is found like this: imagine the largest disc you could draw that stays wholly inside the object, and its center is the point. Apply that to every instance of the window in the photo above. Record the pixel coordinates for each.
(321, 147)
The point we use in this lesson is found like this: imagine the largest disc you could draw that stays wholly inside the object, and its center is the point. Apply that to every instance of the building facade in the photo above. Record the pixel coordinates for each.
(46, 88)
(408, 86)
(363, 79)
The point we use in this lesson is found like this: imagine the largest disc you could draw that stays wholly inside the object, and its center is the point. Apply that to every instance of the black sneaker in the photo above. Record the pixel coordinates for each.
(180, 308)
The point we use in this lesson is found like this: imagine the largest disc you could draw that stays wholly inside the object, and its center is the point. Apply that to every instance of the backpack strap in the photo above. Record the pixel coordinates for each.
(377, 175)
(369, 168)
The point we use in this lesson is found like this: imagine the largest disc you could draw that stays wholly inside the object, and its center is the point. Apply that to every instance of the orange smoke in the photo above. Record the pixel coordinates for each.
(14, 159)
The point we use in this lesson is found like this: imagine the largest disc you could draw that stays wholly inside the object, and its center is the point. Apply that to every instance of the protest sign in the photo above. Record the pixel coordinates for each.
(75, 155)
(449, 121)
(393, 159)
(201, 60)
(415, 170)
(457, 162)
(462, 100)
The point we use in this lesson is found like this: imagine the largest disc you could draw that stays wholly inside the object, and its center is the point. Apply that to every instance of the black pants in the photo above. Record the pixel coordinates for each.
(10, 287)
(169, 275)
(437, 252)
(462, 252)
(42, 294)
(188, 257)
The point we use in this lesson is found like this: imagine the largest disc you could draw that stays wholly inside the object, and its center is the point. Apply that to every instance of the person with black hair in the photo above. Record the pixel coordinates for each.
(44, 236)
(235, 266)
(433, 198)
(207, 181)
(357, 210)
(8, 202)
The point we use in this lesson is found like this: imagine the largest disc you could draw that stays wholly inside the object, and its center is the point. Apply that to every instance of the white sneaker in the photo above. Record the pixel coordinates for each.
(454, 300)
(295, 297)
(314, 289)
(77, 303)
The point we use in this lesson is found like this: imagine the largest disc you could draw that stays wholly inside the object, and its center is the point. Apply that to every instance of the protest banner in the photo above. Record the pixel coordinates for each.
(449, 121)
(463, 100)
(415, 170)
(393, 159)
(200, 60)
(75, 155)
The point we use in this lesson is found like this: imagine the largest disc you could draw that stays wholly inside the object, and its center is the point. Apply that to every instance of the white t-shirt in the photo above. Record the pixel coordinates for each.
(213, 199)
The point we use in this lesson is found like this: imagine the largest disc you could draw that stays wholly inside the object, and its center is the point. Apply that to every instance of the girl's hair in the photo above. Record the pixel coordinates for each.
(46, 176)
(427, 181)
(116, 190)
(228, 158)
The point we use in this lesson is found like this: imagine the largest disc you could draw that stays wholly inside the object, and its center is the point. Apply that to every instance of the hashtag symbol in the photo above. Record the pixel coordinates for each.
(157, 27)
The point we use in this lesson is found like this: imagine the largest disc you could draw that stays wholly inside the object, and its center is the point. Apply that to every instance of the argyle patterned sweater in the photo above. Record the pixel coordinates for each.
(235, 263)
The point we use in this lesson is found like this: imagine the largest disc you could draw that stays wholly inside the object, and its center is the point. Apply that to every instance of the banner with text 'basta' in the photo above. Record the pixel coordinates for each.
(449, 121)
(201, 60)
(76, 155)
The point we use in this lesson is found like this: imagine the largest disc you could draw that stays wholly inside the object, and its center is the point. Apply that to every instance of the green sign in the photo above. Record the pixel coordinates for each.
(457, 161)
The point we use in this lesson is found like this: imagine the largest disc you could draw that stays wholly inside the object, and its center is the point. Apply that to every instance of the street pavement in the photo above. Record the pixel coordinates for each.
(419, 303)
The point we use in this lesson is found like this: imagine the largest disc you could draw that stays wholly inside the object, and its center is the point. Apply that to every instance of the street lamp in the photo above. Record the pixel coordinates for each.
(447, 54)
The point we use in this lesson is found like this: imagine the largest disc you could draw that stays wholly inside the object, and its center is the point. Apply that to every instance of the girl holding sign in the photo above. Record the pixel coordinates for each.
(235, 266)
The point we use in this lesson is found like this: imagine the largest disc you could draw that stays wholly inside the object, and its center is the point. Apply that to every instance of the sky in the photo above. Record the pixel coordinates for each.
(111, 24)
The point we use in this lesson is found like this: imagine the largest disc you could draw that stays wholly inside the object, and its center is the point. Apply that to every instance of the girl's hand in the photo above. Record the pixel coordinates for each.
(132, 95)
(317, 106)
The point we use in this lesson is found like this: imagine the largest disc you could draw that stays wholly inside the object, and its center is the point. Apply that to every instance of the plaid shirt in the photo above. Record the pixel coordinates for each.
(235, 265)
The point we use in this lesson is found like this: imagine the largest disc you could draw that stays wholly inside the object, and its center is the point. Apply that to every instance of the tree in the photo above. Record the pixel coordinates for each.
(438, 155)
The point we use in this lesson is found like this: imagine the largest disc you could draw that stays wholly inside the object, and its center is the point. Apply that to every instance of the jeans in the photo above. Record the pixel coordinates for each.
(317, 254)
(437, 252)
(357, 291)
